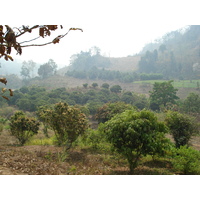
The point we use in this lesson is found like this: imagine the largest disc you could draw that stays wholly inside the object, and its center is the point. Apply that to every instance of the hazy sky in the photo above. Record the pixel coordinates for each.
(118, 28)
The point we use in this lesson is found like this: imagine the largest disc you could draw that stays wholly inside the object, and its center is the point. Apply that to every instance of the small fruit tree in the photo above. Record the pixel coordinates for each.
(22, 127)
(181, 126)
(67, 122)
(134, 134)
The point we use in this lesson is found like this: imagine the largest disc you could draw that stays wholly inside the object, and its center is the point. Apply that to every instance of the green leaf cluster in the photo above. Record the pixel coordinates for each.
(181, 126)
(66, 121)
(186, 161)
(134, 134)
(22, 127)
(163, 93)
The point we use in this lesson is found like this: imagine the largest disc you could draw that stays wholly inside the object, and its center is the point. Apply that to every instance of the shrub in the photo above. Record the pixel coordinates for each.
(181, 126)
(186, 161)
(85, 85)
(105, 85)
(116, 89)
(67, 122)
(95, 139)
(22, 127)
(94, 85)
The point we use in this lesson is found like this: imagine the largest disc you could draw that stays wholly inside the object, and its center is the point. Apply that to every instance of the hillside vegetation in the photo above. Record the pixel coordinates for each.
(134, 115)
(176, 54)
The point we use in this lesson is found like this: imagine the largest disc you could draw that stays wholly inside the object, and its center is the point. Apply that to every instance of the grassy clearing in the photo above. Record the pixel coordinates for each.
(176, 83)
(41, 141)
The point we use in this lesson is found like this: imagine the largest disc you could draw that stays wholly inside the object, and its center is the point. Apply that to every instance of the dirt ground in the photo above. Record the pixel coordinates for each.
(48, 160)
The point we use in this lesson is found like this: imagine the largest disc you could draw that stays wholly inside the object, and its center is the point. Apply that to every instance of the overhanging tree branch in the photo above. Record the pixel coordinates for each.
(8, 38)
(8, 41)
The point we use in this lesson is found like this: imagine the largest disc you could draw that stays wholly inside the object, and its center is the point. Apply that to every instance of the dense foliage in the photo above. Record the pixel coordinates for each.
(22, 127)
(182, 127)
(134, 134)
(192, 103)
(31, 98)
(163, 93)
(109, 110)
(66, 121)
(186, 161)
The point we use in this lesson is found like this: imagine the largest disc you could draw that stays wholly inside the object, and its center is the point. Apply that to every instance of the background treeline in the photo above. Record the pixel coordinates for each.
(30, 98)
(91, 98)
(174, 56)
(102, 74)
(92, 65)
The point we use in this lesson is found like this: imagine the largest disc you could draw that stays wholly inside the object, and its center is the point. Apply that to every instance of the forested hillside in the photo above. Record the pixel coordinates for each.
(90, 63)
(176, 55)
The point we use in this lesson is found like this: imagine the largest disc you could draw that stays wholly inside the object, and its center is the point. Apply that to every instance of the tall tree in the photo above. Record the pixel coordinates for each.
(47, 69)
(25, 71)
(163, 93)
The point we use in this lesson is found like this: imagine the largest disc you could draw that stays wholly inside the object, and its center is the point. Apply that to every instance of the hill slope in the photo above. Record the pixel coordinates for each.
(129, 63)
(176, 54)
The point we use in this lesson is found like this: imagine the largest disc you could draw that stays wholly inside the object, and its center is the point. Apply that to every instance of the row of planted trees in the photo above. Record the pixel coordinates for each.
(132, 133)
(162, 96)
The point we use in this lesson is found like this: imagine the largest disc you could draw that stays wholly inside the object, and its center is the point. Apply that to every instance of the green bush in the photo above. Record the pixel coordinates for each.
(181, 126)
(66, 121)
(23, 127)
(186, 161)
(96, 140)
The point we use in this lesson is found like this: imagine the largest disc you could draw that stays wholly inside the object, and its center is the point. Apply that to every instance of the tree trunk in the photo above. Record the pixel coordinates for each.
(132, 162)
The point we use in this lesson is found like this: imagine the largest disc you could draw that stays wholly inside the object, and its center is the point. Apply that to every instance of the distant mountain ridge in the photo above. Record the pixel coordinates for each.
(177, 52)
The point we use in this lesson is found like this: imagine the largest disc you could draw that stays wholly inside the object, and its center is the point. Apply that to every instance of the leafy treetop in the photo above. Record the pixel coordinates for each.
(163, 93)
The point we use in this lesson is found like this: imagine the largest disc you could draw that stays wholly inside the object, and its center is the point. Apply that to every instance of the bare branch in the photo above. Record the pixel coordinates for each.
(58, 37)
(25, 31)
(30, 40)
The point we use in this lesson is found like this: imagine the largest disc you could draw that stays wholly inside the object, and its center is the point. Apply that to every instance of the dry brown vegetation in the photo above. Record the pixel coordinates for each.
(50, 160)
